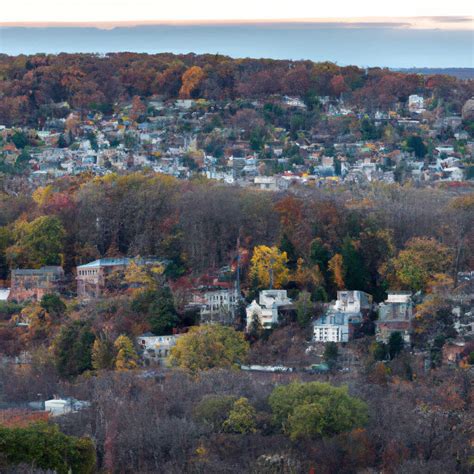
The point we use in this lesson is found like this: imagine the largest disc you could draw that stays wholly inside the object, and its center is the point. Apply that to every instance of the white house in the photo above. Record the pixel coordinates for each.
(61, 406)
(416, 103)
(219, 305)
(342, 317)
(266, 310)
(156, 348)
(270, 183)
(294, 102)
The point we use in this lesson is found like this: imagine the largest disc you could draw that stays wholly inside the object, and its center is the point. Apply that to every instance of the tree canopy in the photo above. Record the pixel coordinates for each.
(315, 409)
(206, 347)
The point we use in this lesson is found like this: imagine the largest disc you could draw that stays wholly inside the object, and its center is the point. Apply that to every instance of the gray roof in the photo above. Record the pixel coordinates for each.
(122, 261)
(38, 271)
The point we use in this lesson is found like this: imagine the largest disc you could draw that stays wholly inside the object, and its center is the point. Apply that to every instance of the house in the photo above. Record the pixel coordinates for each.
(156, 349)
(416, 103)
(28, 283)
(270, 183)
(267, 308)
(343, 317)
(294, 102)
(219, 305)
(91, 277)
(58, 406)
(453, 352)
(395, 315)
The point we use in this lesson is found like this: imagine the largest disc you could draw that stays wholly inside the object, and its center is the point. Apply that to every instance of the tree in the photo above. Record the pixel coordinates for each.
(255, 329)
(62, 143)
(304, 308)
(126, 358)
(416, 145)
(53, 305)
(37, 243)
(315, 409)
(214, 410)
(319, 254)
(103, 354)
(5, 242)
(395, 344)
(379, 351)
(21, 163)
(331, 353)
(191, 81)
(158, 305)
(206, 347)
(162, 313)
(355, 273)
(286, 246)
(335, 266)
(433, 318)
(421, 259)
(269, 267)
(19, 139)
(43, 446)
(436, 351)
(241, 419)
(72, 349)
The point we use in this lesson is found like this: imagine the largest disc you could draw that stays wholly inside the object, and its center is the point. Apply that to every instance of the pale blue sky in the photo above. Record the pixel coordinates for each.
(159, 10)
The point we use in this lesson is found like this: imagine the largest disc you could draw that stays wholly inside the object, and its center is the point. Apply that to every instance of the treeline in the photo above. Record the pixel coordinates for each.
(353, 238)
(226, 421)
(30, 85)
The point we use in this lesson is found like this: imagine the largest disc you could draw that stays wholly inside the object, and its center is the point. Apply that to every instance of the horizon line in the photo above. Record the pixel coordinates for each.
(413, 22)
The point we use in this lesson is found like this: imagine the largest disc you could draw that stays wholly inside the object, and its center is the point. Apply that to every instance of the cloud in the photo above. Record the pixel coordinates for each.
(449, 19)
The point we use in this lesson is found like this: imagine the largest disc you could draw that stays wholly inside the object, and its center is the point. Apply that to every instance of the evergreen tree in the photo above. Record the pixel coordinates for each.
(331, 354)
(53, 305)
(286, 245)
(72, 349)
(395, 344)
(355, 273)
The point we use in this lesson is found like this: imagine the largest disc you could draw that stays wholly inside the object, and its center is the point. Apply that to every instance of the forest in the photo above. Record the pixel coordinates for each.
(123, 177)
(204, 414)
(31, 87)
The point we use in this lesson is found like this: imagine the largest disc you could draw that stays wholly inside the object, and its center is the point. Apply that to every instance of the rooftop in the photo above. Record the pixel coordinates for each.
(121, 261)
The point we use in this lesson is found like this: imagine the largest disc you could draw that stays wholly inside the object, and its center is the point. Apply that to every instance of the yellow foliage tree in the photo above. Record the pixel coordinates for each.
(268, 267)
(336, 268)
(127, 358)
(308, 277)
(419, 261)
(42, 195)
(209, 346)
(144, 276)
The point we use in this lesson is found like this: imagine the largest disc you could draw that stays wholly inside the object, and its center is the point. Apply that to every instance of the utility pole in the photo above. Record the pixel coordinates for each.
(272, 261)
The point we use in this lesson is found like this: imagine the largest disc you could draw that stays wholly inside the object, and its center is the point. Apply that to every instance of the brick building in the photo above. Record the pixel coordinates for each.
(395, 315)
(33, 284)
(91, 277)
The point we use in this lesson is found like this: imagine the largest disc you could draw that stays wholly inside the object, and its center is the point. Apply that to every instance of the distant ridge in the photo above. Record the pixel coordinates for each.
(365, 45)
(458, 72)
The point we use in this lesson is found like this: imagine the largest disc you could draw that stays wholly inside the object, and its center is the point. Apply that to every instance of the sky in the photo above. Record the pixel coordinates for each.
(398, 34)
(110, 11)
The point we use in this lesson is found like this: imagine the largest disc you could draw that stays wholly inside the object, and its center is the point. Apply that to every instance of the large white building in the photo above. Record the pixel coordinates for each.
(266, 310)
(342, 317)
